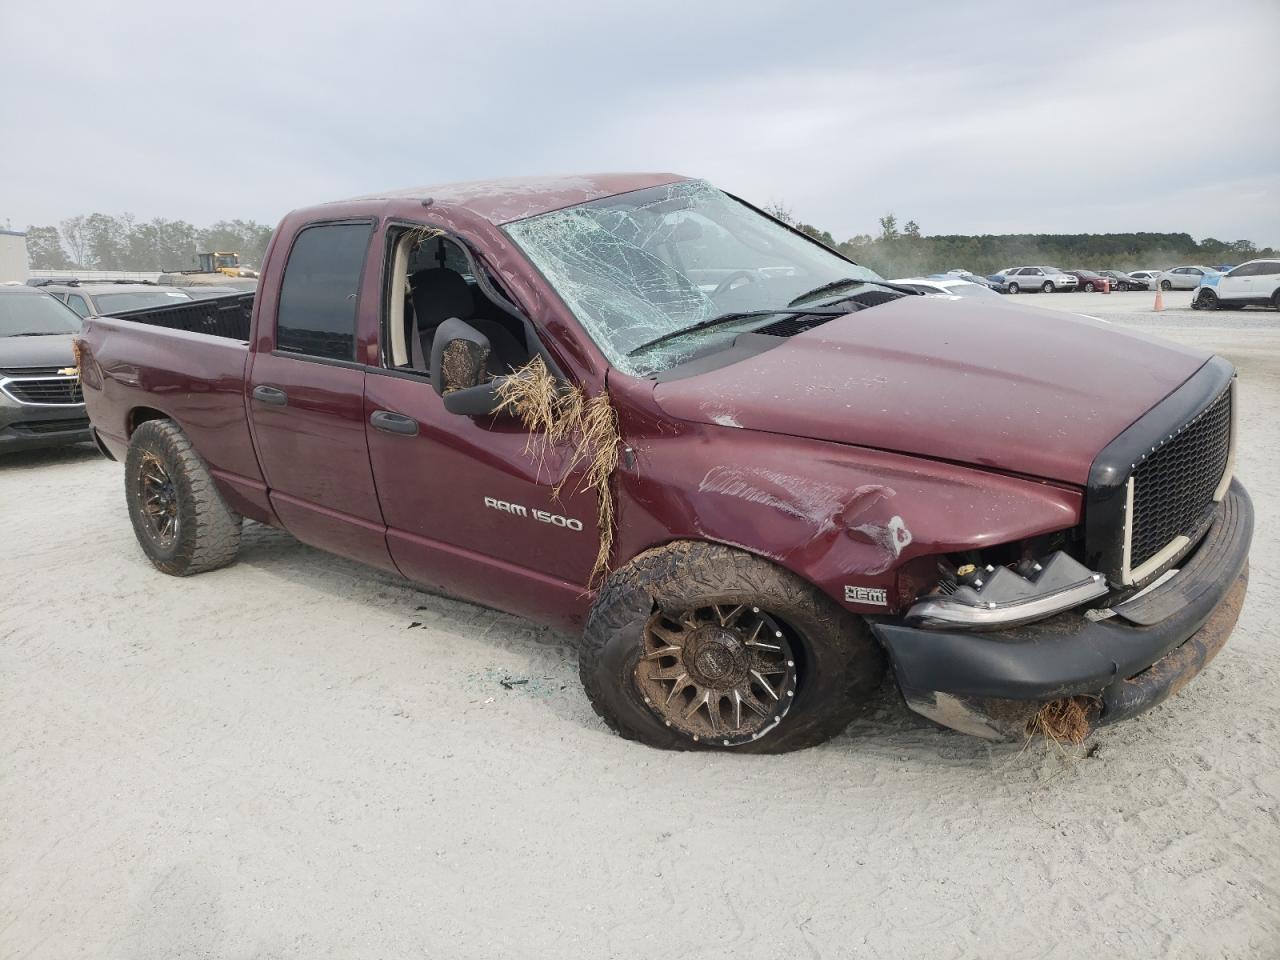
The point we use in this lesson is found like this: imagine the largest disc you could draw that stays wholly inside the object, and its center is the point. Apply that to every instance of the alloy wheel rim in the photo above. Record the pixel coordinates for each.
(722, 674)
(159, 500)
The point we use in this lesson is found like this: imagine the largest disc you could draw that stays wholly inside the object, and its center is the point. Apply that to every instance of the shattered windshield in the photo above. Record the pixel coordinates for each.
(645, 264)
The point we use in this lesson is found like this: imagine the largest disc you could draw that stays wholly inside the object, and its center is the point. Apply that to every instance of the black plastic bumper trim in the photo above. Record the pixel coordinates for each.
(1070, 654)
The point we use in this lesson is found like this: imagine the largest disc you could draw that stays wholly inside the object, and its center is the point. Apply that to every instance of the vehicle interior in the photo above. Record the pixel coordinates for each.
(432, 281)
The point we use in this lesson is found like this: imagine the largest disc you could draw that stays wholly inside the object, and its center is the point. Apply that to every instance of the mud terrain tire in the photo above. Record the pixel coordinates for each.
(839, 665)
(205, 533)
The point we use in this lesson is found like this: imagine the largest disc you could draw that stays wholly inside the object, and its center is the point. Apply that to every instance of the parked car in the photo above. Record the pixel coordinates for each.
(1088, 281)
(951, 287)
(1126, 281)
(40, 400)
(1151, 276)
(100, 298)
(969, 277)
(1256, 282)
(1043, 279)
(999, 282)
(557, 420)
(1185, 278)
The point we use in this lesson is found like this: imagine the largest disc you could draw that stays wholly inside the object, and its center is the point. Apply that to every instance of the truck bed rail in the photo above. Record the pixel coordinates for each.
(227, 316)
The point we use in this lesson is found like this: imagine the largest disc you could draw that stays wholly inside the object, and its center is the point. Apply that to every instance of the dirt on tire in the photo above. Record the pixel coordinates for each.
(208, 530)
(840, 666)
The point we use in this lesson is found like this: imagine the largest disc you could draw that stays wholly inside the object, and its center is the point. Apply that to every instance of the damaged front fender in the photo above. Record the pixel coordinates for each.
(847, 519)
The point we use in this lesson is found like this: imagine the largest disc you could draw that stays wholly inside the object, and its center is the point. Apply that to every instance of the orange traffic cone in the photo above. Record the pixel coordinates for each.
(1159, 299)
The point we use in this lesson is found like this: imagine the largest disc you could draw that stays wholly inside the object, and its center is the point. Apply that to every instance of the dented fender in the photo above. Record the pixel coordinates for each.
(845, 518)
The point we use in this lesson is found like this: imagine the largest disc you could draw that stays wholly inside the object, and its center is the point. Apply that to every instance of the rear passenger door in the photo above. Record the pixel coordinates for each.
(306, 396)
(1266, 280)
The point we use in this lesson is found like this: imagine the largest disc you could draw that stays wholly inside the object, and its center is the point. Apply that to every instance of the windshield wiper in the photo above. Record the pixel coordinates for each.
(848, 282)
(730, 317)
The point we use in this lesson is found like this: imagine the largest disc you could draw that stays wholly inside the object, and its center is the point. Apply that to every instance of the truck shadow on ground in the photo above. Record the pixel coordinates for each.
(887, 726)
(46, 457)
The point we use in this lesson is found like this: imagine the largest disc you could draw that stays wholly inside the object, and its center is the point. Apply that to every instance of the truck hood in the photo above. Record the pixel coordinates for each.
(19, 353)
(984, 382)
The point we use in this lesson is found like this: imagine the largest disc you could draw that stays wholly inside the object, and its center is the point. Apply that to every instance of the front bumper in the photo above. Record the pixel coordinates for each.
(29, 427)
(1126, 659)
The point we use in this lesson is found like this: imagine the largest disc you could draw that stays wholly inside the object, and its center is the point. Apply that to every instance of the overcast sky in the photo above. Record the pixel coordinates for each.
(969, 118)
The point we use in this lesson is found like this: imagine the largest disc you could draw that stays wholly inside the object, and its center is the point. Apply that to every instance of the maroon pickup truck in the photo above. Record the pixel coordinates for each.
(749, 471)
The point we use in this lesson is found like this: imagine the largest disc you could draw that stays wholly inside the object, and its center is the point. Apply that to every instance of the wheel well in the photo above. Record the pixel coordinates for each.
(140, 415)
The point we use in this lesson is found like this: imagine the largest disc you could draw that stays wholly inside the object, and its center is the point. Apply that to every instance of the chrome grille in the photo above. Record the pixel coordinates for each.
(45, 390)
(1174, 487)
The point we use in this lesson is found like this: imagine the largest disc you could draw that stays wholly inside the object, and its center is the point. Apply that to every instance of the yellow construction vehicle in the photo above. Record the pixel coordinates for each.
(225, 263)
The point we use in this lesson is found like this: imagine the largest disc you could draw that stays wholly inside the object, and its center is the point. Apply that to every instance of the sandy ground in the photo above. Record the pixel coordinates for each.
(267, 762)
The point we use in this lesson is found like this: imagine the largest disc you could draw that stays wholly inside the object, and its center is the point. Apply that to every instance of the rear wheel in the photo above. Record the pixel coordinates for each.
(179, 517)
(695, 645)
(1275, 300)
(1166, 285)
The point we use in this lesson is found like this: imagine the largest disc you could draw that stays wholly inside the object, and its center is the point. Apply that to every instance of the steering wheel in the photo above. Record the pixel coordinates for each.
(727, 283)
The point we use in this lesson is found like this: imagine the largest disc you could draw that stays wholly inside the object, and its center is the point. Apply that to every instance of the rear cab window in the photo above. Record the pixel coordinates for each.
(316, 315)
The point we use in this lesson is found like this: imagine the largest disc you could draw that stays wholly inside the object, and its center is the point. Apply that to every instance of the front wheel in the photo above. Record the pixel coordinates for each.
(1205, 300)
(695, 645)
(179, 517)
(1089, 288)
(1013, 288)
(1048, 287)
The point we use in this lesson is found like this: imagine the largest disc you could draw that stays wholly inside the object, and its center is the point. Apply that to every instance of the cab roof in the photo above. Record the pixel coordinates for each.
(516, 198)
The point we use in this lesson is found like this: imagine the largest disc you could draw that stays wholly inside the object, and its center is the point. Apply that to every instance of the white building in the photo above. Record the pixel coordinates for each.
(13, 256)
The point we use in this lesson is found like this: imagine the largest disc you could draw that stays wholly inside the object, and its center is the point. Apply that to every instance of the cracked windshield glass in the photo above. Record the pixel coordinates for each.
(650, 265)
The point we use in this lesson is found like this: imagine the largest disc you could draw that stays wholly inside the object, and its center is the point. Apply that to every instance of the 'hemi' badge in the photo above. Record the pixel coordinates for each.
(873, 595)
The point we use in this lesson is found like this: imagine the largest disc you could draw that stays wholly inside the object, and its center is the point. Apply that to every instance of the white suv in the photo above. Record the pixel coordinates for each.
(1256, 282)
(1044, 279)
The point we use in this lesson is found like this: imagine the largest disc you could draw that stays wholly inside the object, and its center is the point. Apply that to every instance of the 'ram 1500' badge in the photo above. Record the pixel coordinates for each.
(542, 516)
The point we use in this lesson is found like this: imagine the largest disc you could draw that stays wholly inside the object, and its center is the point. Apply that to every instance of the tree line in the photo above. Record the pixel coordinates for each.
(100, 241)
(903, 251)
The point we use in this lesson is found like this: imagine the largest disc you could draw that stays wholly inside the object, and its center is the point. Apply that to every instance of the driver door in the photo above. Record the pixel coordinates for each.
(469, 501)
(470, 506)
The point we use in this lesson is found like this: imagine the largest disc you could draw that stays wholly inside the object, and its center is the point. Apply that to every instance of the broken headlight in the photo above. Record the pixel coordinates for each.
(991, 597)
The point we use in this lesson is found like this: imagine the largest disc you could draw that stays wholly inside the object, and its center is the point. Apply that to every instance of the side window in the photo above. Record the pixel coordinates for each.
(317, 311)
(1268, 268)
(76, 303)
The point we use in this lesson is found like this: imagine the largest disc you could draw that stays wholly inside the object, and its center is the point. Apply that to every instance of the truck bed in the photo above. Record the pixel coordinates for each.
(186, 363)
(227, 316)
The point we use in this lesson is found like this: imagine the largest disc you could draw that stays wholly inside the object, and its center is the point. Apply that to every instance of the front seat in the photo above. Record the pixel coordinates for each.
(438, 295)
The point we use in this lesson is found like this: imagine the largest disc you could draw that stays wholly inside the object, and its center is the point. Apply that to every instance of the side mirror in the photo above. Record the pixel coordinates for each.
(460, 369)
(459, 357)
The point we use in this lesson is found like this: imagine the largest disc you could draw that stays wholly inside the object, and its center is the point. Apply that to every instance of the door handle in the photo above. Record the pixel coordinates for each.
(265, 394)
(389, 422)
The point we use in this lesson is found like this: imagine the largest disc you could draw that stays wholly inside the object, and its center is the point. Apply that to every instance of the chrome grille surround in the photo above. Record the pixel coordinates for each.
(1152, 490)
(43, 391)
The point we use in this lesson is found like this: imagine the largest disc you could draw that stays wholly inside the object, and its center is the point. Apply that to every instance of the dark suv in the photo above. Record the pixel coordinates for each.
(40, 400)
(101, 298)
